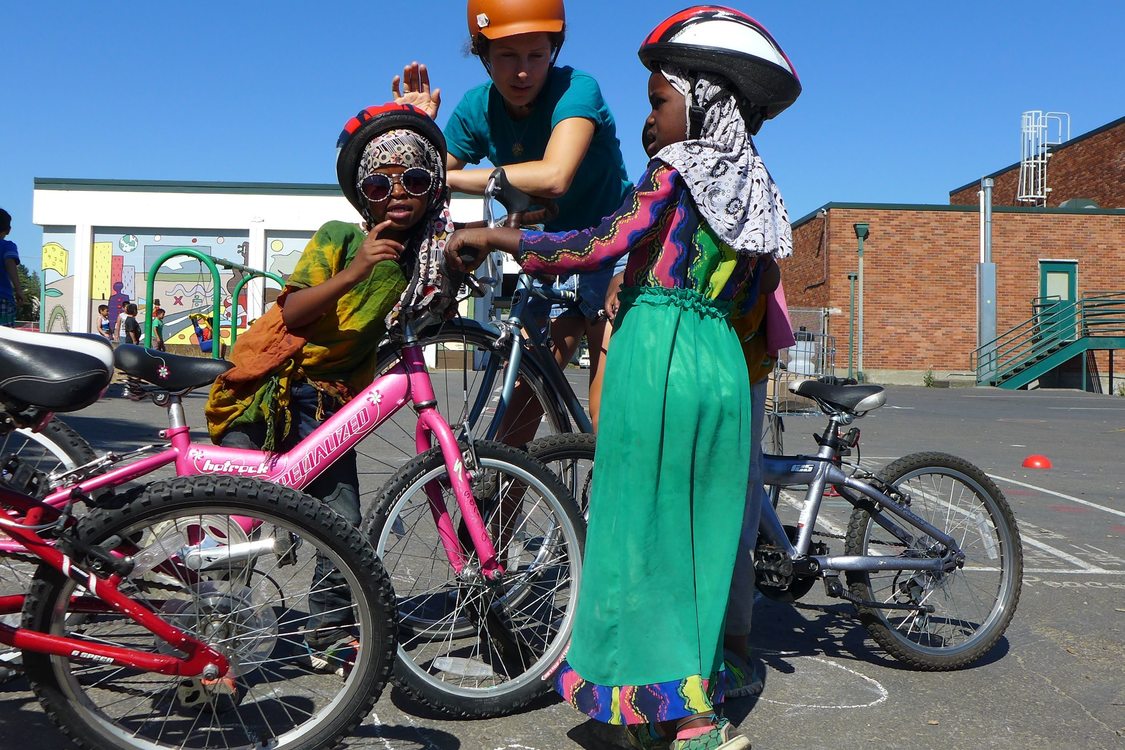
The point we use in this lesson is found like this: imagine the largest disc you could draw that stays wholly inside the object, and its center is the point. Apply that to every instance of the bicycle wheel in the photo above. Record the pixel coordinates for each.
(973, 603)
(205, 573)
(54, 449)
(571, 458)
(467, 646)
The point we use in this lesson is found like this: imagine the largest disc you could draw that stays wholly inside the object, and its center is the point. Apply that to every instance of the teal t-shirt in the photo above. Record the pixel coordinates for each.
(480, 128)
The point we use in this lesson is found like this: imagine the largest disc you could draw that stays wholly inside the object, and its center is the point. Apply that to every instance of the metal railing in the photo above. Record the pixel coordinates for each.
(1053, 326)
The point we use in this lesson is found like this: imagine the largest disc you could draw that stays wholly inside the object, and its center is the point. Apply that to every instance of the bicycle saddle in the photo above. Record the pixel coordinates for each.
(169, 372)
(53, 371)
(853, 399)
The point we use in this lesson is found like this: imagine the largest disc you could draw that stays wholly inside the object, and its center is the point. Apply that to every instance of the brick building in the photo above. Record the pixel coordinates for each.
(919, 297)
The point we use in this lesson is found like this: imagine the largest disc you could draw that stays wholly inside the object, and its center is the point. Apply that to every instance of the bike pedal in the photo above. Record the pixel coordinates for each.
(833, 587)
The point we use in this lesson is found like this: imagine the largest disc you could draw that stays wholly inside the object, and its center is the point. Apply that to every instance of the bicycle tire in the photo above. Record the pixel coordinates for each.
(469, 648)
(571, 457)
(455, 343)
(278, 699)
(973, 603)
(53, 449)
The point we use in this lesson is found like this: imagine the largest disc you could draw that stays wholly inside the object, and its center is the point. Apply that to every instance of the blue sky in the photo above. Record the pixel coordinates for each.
(902, 102)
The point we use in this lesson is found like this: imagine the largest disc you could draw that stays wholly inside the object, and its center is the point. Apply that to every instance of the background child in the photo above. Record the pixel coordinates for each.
(316, 347)
(11, 295)
(158, 329)
(128, 329)
(674, 442)
(103, 322)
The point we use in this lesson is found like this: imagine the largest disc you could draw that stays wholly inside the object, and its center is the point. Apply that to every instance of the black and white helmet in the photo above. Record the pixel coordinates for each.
(714, 39)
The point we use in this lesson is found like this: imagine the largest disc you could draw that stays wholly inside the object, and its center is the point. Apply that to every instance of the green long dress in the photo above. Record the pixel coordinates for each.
(672, 460)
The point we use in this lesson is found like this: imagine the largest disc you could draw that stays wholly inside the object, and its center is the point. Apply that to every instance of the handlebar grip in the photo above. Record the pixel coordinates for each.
(510, 197)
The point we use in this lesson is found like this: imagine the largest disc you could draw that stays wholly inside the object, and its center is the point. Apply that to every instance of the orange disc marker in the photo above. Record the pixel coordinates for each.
(1037, 461)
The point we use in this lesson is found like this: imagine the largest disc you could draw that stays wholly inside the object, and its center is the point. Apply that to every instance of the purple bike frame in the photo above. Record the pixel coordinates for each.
(408, 380)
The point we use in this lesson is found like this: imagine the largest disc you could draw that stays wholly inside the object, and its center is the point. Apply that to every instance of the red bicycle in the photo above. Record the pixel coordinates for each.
(175, 615)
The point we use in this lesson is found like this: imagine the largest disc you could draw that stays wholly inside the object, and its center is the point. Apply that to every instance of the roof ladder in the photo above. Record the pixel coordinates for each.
(1039, 131)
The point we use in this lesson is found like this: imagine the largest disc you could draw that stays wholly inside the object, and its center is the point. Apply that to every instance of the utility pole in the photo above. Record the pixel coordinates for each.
(861, 233)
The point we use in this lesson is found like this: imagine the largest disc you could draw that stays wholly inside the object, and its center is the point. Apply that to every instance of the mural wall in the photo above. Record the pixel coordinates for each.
(123, 259)
(58, 284)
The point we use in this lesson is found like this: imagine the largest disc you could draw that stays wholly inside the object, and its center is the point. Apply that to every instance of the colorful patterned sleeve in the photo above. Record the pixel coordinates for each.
(600, 246)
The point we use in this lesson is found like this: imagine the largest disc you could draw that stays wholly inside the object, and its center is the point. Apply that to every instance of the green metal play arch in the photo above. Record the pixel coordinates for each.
(216, 295)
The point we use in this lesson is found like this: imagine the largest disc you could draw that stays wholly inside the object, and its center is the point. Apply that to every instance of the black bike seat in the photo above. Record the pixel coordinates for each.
(169, 372)
(854, 399)
(53, 371)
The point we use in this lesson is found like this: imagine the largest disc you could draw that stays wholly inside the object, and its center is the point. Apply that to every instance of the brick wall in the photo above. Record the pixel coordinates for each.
(920, 275)
(1089, 166)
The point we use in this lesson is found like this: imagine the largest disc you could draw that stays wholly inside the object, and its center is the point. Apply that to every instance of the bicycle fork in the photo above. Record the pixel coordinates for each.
(432, 425)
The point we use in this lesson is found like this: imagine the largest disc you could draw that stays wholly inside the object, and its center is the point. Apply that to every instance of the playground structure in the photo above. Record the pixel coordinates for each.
(212, 264)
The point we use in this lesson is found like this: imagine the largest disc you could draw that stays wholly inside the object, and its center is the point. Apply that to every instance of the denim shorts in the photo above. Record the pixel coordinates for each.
(591, 288)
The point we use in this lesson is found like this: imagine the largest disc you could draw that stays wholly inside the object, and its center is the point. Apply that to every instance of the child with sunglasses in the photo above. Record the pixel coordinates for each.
(315, 349)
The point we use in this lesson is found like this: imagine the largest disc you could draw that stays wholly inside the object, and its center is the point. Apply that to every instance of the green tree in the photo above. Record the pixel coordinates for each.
(29, 283)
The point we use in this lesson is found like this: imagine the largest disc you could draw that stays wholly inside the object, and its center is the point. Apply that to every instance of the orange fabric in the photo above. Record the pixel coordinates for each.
(751, 334)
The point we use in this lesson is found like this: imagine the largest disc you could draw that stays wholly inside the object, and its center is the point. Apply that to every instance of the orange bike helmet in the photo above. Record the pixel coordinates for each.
(496, 19)
(714, 39)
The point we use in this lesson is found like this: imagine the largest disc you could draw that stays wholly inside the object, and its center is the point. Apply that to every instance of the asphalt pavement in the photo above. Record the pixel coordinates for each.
(1056, 680)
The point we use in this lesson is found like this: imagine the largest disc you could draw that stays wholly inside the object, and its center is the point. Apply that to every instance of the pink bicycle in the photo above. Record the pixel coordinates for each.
(175, 615)
(483, 544)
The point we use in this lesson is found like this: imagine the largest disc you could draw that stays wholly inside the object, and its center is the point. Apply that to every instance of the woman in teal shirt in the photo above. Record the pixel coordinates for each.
(553, 133)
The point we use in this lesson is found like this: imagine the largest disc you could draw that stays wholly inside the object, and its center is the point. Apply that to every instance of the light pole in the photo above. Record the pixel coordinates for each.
(860, 235)
(851, 326)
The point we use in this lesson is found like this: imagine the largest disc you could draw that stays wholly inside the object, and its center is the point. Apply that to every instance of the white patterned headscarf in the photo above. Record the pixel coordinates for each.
(430, 291)
(724, 173)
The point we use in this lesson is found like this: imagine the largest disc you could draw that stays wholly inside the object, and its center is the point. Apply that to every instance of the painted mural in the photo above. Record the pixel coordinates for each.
(122, 261)
(58, 284)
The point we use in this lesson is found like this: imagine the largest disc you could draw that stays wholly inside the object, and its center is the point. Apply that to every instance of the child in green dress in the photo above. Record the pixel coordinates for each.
(674, 441)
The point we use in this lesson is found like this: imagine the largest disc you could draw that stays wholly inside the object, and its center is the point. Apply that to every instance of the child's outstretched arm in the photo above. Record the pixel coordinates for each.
(305, 306)
(475, 244)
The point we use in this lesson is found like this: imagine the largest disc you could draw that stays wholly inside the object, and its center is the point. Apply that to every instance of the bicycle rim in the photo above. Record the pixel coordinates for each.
(972, 604)
(251, 601)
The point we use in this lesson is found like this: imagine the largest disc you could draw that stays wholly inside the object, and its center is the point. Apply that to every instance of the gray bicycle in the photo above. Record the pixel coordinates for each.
(932, 555)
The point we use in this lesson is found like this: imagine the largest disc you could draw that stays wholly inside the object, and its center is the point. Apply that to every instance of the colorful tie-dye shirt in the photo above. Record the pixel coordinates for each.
(668, 243)
(338, 352)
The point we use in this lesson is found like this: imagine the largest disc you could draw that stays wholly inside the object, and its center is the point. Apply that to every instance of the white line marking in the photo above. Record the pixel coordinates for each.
(1086, 408)
(1086, 567)
(1081, 571)
(1071, 498)
(882, 691)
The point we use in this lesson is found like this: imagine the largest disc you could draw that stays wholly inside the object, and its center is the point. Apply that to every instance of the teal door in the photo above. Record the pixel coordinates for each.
(1058, 290)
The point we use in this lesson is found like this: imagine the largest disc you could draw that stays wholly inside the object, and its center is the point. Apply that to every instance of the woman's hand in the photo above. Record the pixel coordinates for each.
(611, 304)
(415, 89)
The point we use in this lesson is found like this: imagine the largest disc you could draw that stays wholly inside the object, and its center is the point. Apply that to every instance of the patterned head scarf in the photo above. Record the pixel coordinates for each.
(429, 289)
(724, 173)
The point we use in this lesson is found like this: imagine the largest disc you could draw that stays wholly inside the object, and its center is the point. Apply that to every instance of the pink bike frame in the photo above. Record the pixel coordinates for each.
(377, 403)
